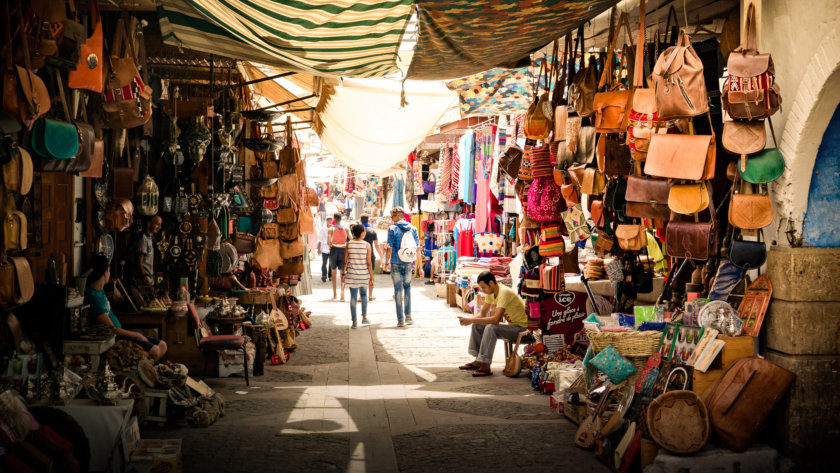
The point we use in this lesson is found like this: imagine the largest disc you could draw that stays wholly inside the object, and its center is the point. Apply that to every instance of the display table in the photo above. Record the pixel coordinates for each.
(145, 319)
(103, 426)
(92, 348)
(603, 287)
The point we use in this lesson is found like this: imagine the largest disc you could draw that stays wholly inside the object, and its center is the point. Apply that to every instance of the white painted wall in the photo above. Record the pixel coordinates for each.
(804, 38)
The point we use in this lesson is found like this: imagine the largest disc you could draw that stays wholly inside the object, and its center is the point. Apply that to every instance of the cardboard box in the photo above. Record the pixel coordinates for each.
(156, 456)
(230, 363)
(451, 294)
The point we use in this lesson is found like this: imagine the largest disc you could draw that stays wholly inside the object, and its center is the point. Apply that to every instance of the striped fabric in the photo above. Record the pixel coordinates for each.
(540, 161)
(552, 277)
(357, 271)
(456, 173)
(351, 38)
(551, 241)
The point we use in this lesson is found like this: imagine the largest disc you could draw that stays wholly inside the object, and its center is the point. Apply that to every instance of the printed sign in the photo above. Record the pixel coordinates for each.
(563, 313)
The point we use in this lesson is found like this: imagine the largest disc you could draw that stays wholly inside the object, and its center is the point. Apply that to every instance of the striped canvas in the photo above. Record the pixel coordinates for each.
(551, 241)
(351, 38)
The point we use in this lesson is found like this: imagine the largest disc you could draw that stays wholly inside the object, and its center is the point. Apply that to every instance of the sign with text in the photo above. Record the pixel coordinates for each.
(563, 314)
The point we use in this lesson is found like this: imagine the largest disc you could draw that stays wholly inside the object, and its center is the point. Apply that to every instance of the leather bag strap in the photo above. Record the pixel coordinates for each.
(7, 28)
(60, 85)
(24, 38)
(23, 274)
(608, 65)
(638, 73)
(750, 34)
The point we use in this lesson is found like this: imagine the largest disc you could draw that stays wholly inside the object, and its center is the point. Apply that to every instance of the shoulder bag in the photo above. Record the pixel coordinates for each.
(593, 182)
(766, 165)
(744, 138)
(14, 228)
(288, 156)
(89, 73)
(585, 82)
(55, 140)
(613, 107)
(127, 101)
(690, 157)
(24, 93)
(688, 199)
(510, 161)
(647, 198)
(16, 283)
(613, 156)
(692, 240)
(631, 237)
(18, 173)
(748, 254)
(750, 91)
(267, 252)
(750, 211)
(678, 83)
(538, 118)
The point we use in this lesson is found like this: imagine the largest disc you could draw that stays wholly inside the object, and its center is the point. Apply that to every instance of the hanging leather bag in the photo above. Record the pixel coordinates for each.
(9, 131)
(612, 108)
(87, 142)
(69, 42)
(127, 101)
(690, 157)
(613, 156)
(692, 240)
(291, 248)
(585, 82)
(678, 83)
(631, 237)
(742, 398)
(750, 211)
(56, 141)
(16, 283)
(244, 242)
(510, 161)
(647, 198)
(593, 183)
(688, 199)
(750, 91)
(89, 73)
(765, 165)
(293, 267)
(289, 155)
(744, 138)
(15, 228)
(748, 254)
(24, 93)
(538, 118)
(18, 173)
(267, 253)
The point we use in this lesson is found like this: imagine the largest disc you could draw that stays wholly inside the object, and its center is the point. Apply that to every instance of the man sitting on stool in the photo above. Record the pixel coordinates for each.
(487, 328)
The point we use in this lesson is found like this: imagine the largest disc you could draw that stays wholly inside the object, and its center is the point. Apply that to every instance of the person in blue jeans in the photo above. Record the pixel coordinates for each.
(100, 309)
(401, 272)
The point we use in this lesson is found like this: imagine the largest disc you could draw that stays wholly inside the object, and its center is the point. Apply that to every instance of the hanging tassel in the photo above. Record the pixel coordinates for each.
(403, 101)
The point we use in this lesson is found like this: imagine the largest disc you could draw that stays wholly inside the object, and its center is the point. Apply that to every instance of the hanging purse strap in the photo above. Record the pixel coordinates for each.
(750, 34)
(67, 117)
(609, 69)
(560, 86)
(669, 31)
(638, 67)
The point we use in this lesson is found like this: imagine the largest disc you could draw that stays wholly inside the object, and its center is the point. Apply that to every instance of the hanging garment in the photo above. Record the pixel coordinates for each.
(417, 175)
(482, 196)
(509, 199)
(445, 181)
(399, 192)
(464, 241)
(466, 191)
(456, 175)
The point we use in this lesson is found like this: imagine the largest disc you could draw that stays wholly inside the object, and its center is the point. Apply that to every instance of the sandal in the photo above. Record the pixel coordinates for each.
(481, 373)
(468, 366)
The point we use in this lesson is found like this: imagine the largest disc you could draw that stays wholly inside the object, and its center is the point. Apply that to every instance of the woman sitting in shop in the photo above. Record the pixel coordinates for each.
(500, 303)
(100, 309)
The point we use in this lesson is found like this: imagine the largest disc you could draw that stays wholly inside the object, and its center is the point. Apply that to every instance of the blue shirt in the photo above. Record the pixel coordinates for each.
(395, 234)
(99, 305)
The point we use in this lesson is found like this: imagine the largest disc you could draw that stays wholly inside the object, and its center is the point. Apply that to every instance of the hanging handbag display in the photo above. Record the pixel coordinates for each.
(18, 173)
(9, 130)
(678, 83)
(538, 118)
(69, 42)
(15, 229)
(748, 254)
(613, 156)
(551, 240)
(288, 156)
(585, 82)
(266, 252)
(612, 108)
(750, 91)
(763, 167)
(647, 198)
(16, 283)
(25, 95)
(293, 267)
(692, 240)
(631, 237)
(244, 242)
(688, 199)
(750, 211)
(127, 101)
(291, 248)
(690, 157)
(307, 220)
(593, 183)
(743, 138)
(89, 73)
(510, 161)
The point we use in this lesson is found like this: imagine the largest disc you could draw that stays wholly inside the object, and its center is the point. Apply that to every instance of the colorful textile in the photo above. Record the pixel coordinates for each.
(350, 39)
(612, 364)
(456, 174)
(462, 37)
(494, 92)
(466, 178)
(551, 241)
(489, 244)
(463, 234)
(417, 175)
(445, 182)
(552, 278)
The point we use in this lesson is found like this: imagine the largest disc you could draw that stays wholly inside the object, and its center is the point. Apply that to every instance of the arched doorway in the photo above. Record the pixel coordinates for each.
(822, 220)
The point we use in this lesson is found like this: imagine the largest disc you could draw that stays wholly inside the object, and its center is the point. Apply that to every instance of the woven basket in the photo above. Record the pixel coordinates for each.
(254, 298)
(628, 344)
(679, 422)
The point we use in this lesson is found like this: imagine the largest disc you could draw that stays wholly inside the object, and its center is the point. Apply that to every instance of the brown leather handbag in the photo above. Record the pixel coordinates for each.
(89, 73)
(16, 283)
(688, 199)
(593, 183)
(612, 108)
(750, 91)
(631, 237)
(24, 93)
(244, 242)
(584, 84)
(750, 211)
(647, 198)
(577, 172)
(744, 138)
(598, 213)
(291, 248)
(96, 160)
(678, 83)
(15, 228)
(128, 100)
(18, 172)
(293, 267)
(311, 197)
(510, 161)
(267, 253)
(615, 160)
(307, 220)
(289, 155)
(690, 157)
(742, 398)
(692, 240)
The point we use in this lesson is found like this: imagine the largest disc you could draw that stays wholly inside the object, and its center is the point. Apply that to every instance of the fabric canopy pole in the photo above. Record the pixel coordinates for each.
(351, 38)
(362, 124)
(462, 37)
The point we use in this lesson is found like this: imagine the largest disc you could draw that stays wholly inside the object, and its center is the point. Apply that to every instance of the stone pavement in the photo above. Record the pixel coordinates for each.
(381, 399)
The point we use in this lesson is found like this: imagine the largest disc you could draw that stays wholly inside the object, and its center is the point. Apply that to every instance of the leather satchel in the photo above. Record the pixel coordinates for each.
(16, 283)
(631, 237)
(14, 230)
(742, 398)
(690, 157)
(692, 240)
(24, 93)
(584, 84)
(616, 159)
(688, 199)
(750, 211)
(750, 91)
(128, 100)
(89, 73)
(311, 197)
(292, 248)
(585, 152)
(510, 161)
(18, 173)
(244, 242)
(748, 254)
(612, 108)
(293, 267)
(763, 167)
(647, 198)
(593, 183)
(577, 173)
(96, 160)
(744, 138)
(604, 244)
(267, 253)
(678, 82)
(598, 213)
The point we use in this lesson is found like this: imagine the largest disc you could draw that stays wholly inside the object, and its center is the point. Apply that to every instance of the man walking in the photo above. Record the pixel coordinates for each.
(375, 248)
(337, 239)
(501, 303)
(401, 266)
(324, 248)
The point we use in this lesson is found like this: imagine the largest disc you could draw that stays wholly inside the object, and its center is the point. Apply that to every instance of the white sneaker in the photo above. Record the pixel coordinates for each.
(408, 320)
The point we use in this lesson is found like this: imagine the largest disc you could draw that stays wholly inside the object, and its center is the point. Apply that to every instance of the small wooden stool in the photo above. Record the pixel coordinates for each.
(156, 402)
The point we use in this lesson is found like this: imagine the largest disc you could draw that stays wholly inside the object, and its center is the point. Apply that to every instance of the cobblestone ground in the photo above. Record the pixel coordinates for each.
(381, 398)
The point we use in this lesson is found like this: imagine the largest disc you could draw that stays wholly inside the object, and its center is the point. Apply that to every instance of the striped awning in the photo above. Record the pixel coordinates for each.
(351, 38)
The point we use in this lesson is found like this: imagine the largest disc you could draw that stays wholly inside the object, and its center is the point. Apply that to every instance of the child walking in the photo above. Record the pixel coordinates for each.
(358, 271)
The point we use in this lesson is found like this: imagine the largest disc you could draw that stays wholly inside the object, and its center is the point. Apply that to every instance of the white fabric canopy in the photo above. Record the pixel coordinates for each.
(363, 125)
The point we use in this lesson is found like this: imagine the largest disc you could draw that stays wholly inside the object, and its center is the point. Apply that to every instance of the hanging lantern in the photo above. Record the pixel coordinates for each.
(147, 197)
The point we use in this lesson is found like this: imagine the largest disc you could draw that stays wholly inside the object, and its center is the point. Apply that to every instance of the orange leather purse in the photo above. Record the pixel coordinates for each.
(690, 157)
(90, 73)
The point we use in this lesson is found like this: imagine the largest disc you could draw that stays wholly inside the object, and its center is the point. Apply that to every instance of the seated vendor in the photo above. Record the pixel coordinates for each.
(100, 309)
(501, 303)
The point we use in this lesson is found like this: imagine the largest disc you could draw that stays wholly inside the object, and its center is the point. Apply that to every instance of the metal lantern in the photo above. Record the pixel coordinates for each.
(147, 197)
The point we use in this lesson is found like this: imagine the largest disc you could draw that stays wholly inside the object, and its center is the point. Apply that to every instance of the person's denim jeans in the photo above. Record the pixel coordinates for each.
(325, 264)
(401, 275)
(354, 293)
(483, 339)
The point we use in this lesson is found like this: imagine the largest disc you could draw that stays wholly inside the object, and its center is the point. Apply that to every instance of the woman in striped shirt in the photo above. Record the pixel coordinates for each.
(358, 271)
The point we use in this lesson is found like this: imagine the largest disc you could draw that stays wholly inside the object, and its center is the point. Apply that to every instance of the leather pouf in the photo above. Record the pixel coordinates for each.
(679, 422)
